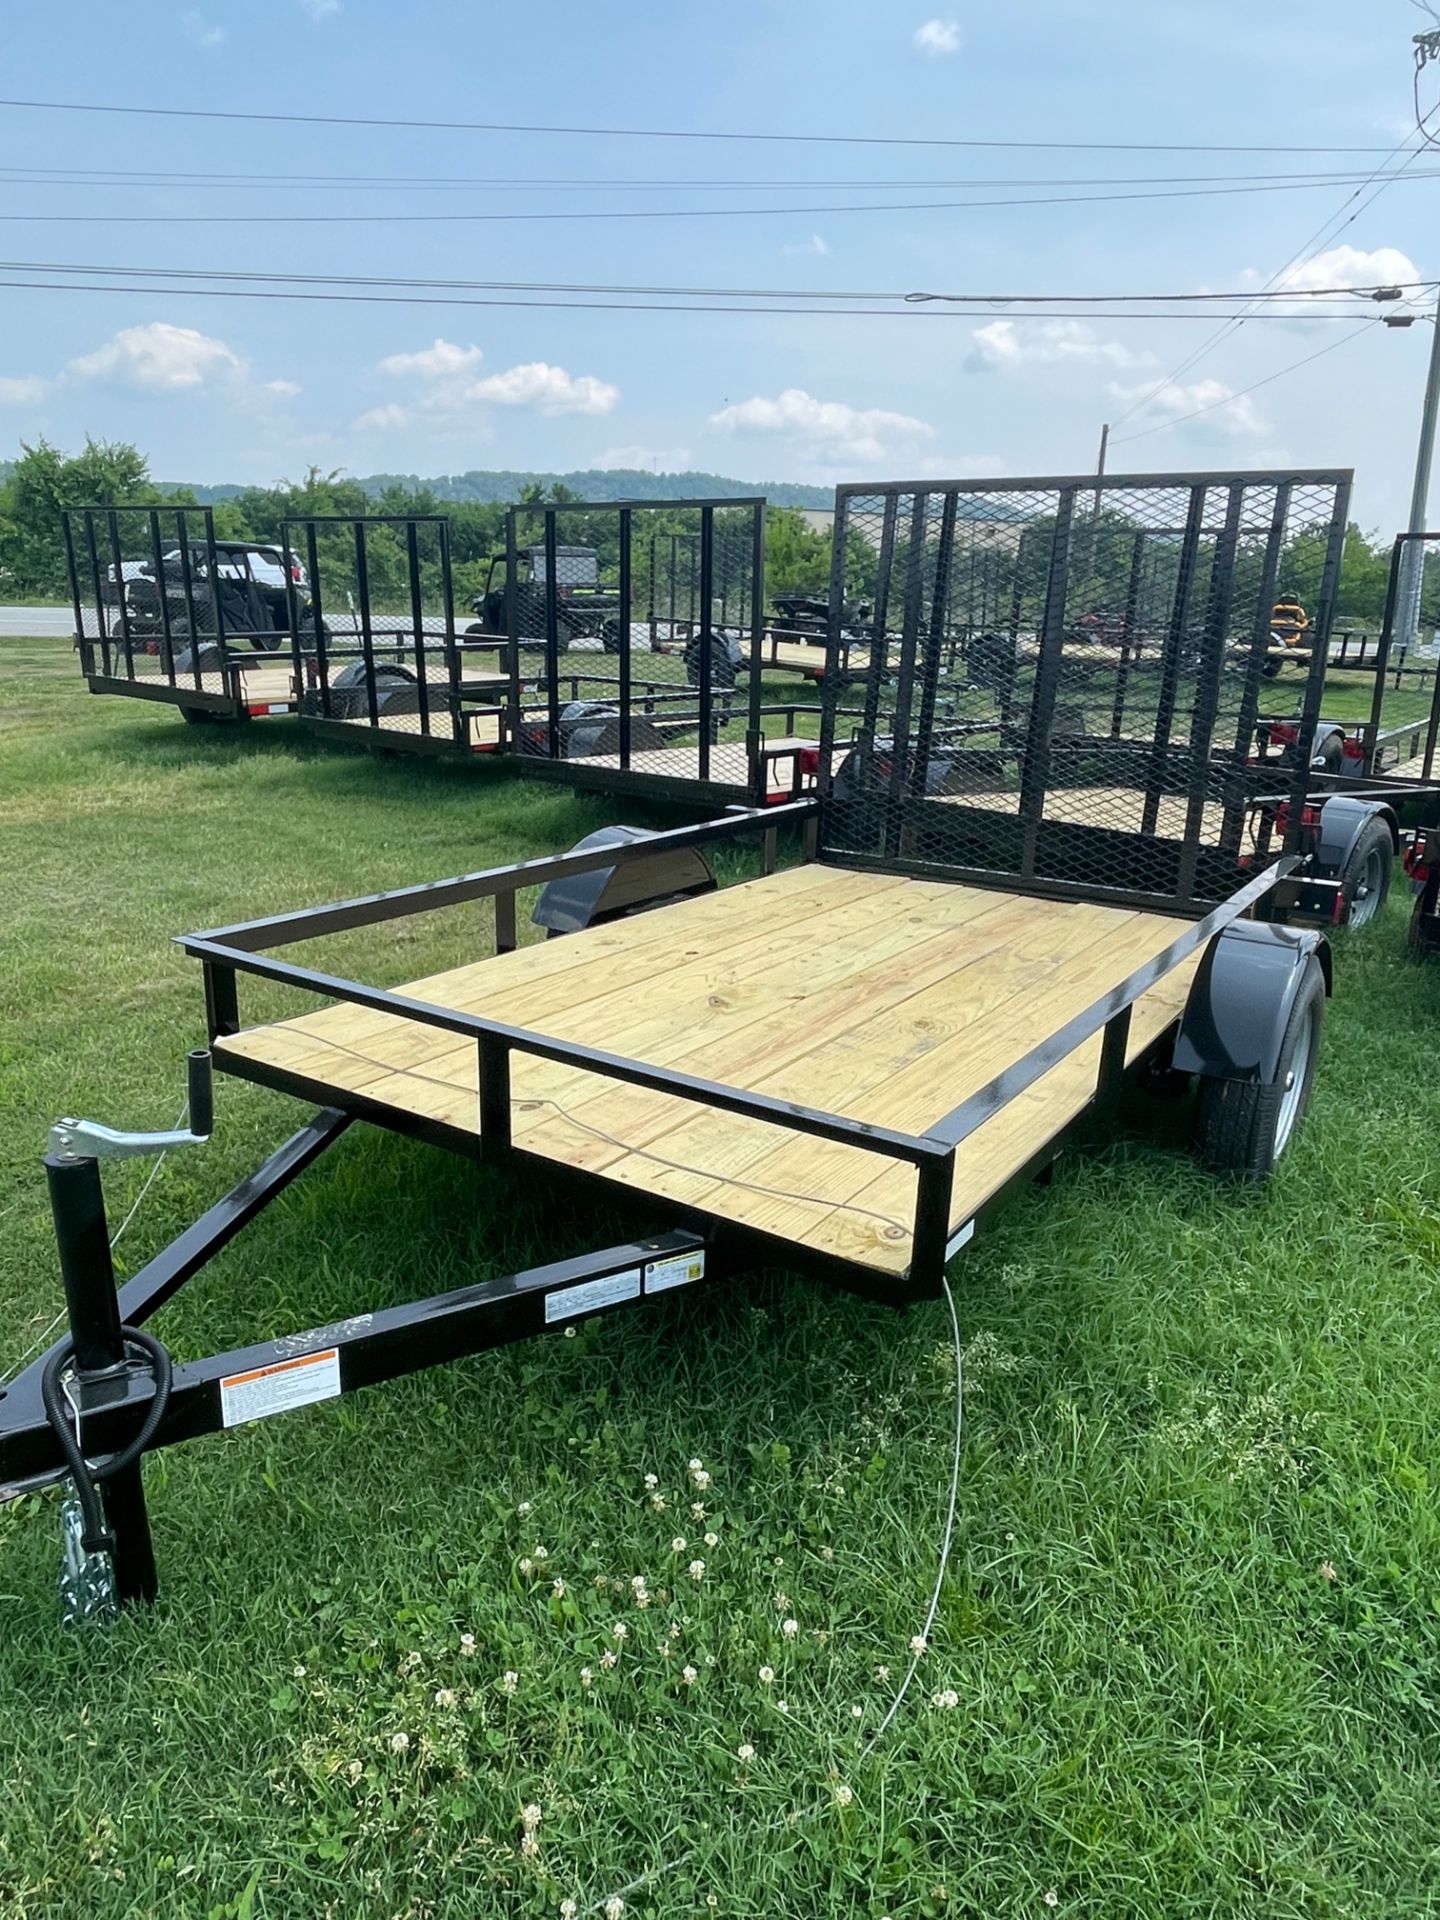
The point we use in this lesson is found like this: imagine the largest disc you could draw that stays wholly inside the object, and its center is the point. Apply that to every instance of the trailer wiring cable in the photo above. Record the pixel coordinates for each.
(89, 1475)
(643, 1153)
(670, 133)
(919, 1644)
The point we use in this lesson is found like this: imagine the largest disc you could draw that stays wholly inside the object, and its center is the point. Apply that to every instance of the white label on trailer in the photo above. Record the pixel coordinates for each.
(566, 1302)
(280, 1387)
(680, 1270)
(961, 1237)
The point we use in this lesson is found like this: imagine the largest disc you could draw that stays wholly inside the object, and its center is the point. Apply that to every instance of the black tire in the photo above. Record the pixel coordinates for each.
(610, 635)
(1241, 1127)
(196, 716)
(723, 670)
(210, 661)
(1365, 877)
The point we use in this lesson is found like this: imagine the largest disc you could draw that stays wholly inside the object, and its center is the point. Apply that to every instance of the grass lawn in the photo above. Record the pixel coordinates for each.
(1187, 1661)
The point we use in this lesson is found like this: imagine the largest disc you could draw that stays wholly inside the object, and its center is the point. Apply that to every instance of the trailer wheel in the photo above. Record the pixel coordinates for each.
(1242, 1127)
(1365, 878)
(723, 666)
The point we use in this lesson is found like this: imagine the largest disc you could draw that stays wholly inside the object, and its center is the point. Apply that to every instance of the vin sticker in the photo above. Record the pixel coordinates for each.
(680, 1270)
(566, 1302)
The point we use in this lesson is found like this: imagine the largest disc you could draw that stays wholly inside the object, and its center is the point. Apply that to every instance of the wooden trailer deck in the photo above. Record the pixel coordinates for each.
(881, 997)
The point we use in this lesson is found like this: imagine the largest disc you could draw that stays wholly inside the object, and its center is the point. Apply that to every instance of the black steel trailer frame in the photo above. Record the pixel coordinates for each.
(107, 1394)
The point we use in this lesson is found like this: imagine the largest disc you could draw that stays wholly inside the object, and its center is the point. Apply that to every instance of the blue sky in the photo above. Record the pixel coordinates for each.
(252, 390)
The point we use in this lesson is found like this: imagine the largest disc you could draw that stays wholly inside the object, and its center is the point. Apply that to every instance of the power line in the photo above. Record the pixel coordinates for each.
(1230, 398)
(1316, 240)
(669, 133)
(946, 312)
(978, 299)
(646, 213)
(131, 178)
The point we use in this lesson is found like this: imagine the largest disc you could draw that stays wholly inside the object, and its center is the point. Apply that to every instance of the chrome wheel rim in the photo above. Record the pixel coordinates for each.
(1295, 1083)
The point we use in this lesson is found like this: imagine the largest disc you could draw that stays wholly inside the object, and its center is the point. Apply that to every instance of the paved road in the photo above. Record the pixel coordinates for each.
(36, 621)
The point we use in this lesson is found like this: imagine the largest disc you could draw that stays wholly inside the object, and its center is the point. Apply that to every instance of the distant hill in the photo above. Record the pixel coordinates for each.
(591, 483)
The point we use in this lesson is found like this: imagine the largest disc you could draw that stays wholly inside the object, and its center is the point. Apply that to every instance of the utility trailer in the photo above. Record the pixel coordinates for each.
(840, 1067)
(166, 611)
(1122, 749)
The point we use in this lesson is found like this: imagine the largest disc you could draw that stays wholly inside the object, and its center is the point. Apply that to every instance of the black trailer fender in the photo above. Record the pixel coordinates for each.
(1343, 818)
(1241, 998)
(609, 893)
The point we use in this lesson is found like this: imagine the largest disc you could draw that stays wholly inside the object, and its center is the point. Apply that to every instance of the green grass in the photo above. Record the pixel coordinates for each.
(1192, 1622)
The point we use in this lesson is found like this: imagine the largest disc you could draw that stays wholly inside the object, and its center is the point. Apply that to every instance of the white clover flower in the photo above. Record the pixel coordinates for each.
(918, 1643)
(712, 1539)
(530, 1817)
(827, 1553)
(767, 1674)
(509, 1680)
(541, 1553)
(697, 1509)
(782, 1706)
(608, 1659)
(857, 1713)
(619, 1630)
(789, 1628)
(701, 1479)
(399, 1743)
(570, 1333)
(299, 1671)
(614, 1907)
(745, 1752)
(586, 1676)
(882, 1673)
(782, 1603)
(524, 1509)
(527, 1566)
(710, 1660)
(945, 1698)
(697, 1466)
(657, 1501)
(844, 1796)
(445, 1698)
(696, 1569)
(557, 1587)
(529, 1846)
(652, 1480)
(467, 1644)
(568, 1910)
(678, 1544)
(674, 1629)
(409, 1663)
(638, 1583)
(642, 1598)
(689, 1676)
(1052, 1898)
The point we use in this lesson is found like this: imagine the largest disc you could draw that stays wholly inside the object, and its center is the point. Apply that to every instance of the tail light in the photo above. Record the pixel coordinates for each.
(1309, 817)
(1352, 749)
(296, 573)
(809, 758)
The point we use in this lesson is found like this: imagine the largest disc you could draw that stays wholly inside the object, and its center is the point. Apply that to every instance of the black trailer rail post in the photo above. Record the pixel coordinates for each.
(1207, 690)
(1035, 778)
(417, 626)
(1170, 663)
(112, 520)
(707, 638)
(625, 689)
(450, 646)
(1234, 817)
(1130, 641)
(552, 637)
(83, 641)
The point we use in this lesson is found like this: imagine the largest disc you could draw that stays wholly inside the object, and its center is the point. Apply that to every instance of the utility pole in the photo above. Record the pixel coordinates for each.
(1412, 559)
(1100, 463)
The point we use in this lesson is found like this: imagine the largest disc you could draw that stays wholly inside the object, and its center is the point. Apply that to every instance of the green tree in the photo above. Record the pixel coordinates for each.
(42, 482)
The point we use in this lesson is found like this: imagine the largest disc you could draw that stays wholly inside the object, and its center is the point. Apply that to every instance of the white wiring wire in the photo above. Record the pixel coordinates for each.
(791, 1821)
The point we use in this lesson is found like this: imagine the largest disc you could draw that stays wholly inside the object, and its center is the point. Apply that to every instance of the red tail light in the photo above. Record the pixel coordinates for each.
(1353, 749)
(809, 758)
(295, 574)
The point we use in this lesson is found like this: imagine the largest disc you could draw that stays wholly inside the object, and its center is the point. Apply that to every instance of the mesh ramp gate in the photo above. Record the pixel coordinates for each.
(1060, 680)
(165, 611)
(1400, 736)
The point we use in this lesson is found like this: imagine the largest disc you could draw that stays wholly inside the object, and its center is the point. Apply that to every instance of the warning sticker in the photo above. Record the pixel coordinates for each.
(680, 1270)
(279, 1388)
(566, 1302)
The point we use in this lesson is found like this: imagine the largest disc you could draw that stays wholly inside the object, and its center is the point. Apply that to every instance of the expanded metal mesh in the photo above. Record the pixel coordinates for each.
(1401, 688)
(374, 631)
(159, 600)
(632, 631)
(1061, 680)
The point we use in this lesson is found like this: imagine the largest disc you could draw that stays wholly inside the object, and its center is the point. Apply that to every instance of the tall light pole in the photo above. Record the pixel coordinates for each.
(1412, 559)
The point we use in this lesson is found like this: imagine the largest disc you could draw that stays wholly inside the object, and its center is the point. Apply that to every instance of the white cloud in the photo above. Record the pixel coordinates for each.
(435, 363)
(1008, 345)
(645, 459)
(283, 389)
(204, 33)
(815, 244)
(1225, 412)
(21, 389)
(937, 38)
(1352, 267)
(159, 358)
(449, 386)
(320, 9)
(825, 428)
(379, 418)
